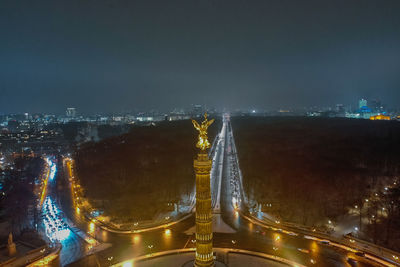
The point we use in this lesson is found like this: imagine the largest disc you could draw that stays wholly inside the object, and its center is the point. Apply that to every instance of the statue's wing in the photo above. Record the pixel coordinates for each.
(196, 125)
(210, 122)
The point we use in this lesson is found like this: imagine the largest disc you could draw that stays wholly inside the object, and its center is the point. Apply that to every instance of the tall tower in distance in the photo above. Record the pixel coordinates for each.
(362, 103)
(202, 166)
(71, 112)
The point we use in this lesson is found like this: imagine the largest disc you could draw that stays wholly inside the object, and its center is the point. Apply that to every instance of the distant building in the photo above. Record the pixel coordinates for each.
(177, 117)
(197, 110)
(19, 253)
(364, 111)
(380, 117)
(71, 112)
(376, 105)
(13, 125)
(340, 108)
(362, 103)
(353, 115)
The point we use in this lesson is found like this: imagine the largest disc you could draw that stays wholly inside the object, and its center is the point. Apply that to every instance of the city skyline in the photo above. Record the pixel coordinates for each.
(213, 133)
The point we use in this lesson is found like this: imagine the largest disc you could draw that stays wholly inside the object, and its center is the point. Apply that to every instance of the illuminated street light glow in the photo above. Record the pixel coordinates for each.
(91, 227)
(53, 169)
(136, 238)
(127, 263)
(277, 237)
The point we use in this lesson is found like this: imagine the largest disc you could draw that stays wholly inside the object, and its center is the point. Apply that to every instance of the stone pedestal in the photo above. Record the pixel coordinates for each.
(215, 264)
(12, 249)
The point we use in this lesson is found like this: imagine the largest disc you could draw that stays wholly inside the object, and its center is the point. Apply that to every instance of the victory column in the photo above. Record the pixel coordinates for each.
(202, 166)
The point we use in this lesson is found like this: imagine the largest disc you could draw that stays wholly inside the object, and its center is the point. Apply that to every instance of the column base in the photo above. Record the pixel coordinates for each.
(12, 249)
(193, 264)
(209, 264)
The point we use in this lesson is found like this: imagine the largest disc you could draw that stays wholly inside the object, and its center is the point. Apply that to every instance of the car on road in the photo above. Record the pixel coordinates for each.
(352, 262)
(303, 250)
(360, 253)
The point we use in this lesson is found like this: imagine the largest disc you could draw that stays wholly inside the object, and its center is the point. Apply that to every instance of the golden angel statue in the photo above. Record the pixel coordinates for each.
(203, 143)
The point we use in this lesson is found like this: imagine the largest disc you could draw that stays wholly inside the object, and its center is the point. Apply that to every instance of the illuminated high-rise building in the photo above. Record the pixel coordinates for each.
(197, 110)
(362, 103)
(71, 112)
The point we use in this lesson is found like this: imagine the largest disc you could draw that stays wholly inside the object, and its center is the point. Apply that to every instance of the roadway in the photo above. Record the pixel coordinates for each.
(53, 224)
(227, 192)
(217, 168)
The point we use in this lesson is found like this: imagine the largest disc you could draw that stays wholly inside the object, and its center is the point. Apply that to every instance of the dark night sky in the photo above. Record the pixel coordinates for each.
(120, 55)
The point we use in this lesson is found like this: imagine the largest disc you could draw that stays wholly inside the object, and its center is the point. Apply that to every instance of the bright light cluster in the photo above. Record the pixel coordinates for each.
(56, 228)
(53, 169)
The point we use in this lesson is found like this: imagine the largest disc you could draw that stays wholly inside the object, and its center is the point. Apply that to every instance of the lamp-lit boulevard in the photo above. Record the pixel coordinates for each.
(251, 233)
(200, 133)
